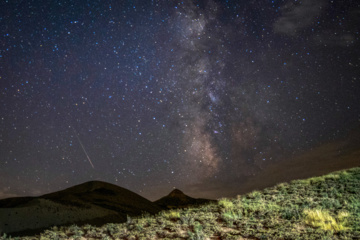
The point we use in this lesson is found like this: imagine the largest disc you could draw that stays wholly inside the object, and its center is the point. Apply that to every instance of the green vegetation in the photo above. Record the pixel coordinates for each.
(326, 207)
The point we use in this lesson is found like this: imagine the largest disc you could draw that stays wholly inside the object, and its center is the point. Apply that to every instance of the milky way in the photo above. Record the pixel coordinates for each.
(151, 95)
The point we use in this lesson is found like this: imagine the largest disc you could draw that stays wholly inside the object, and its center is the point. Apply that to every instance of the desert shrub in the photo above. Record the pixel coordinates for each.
(198, 233)
(322, 219)
(226, 204)
(231, 216)
(129, 219)
(186, 218)
(290, 212)
(50, 234)
(111, 228)
(330, 203)
(254, 195)
(172, 215)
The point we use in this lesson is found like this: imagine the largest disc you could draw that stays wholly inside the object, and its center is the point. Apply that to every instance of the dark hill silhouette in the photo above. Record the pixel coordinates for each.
(105, 195)
(94, 202)
(177, 199)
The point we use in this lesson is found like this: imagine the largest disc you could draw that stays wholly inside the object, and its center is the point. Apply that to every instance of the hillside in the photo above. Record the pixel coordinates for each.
(177, 199)
(326, 207)
(93, 202)
(105, 195)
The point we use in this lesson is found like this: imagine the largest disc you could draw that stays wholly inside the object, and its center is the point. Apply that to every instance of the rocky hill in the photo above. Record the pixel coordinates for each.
(177, 199)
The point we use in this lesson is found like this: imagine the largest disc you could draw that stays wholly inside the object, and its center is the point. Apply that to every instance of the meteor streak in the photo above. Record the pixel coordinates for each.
(82, 146)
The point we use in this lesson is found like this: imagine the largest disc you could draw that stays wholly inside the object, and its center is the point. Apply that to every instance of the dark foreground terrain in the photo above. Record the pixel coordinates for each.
(326, 207)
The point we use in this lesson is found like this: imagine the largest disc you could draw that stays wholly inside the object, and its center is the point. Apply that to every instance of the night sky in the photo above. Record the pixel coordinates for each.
(152, 95)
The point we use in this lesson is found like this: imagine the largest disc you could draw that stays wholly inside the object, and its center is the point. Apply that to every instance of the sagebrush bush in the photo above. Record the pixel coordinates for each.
(322, 219)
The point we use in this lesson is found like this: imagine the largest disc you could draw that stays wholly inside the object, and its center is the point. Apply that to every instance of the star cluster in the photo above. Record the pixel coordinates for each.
(151, 95)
